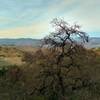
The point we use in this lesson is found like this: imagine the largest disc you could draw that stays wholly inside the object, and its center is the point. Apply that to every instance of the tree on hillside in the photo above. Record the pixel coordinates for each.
(65, 35)
(65, 41)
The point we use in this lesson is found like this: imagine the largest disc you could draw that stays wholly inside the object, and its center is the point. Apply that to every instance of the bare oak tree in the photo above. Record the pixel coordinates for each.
(64, 41)
(65, 35)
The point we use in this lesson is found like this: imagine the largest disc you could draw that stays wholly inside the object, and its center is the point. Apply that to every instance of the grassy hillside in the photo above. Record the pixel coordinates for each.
(20, 66)
(10, 55)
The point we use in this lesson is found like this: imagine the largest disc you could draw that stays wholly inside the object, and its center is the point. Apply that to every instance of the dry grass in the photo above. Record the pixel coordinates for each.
(14, 55)
(26, 81)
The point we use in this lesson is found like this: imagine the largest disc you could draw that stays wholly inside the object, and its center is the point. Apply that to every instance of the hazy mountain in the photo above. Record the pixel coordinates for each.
(20, 42)
(93, 42)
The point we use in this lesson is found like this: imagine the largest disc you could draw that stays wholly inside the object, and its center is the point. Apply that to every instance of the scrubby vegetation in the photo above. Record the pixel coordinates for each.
(24, 82)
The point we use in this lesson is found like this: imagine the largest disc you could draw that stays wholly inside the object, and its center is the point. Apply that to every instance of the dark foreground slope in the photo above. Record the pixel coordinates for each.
(18, 81)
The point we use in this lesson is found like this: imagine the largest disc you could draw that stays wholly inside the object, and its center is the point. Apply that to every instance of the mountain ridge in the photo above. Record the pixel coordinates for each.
(93, 42)
(20, 41)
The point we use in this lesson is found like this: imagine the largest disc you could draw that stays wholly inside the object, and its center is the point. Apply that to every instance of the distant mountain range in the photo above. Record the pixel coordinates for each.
(20, 42)
(93, 42)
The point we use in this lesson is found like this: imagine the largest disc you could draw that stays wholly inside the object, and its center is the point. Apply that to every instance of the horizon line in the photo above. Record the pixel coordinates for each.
(40, 38)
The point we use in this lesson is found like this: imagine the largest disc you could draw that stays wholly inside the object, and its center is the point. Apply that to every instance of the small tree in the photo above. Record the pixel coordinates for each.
(65, 35)
(65, 41)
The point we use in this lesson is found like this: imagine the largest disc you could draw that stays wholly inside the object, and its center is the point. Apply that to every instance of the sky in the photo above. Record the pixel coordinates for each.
(31, 18)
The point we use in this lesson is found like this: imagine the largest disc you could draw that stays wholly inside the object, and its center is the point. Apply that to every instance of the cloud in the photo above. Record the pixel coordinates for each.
(33, 30)
(86, 13)
(31, 18)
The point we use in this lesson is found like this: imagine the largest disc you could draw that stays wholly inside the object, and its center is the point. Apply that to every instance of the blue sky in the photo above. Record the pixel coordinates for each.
(31, 18)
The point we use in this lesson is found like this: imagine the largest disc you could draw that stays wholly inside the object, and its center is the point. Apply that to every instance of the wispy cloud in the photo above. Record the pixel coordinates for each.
(31, 18)
(35, 30)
